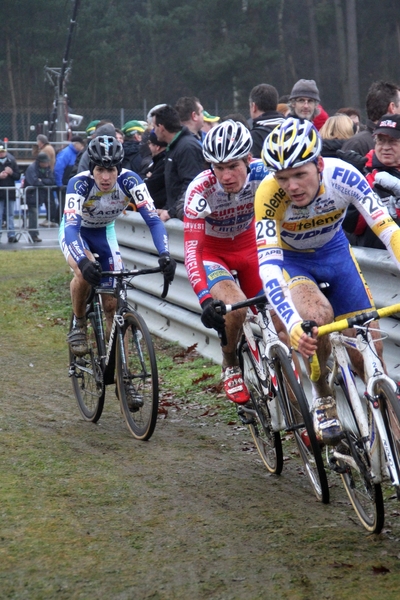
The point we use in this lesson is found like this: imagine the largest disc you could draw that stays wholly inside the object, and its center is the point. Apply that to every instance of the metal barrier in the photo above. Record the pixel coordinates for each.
(178, 317)
(33, 207)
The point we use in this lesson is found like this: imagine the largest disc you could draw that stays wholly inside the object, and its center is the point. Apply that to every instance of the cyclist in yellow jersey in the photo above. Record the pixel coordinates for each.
(299, 211)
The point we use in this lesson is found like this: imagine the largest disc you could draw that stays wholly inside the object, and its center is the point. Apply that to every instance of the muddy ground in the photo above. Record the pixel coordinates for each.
(88, 512)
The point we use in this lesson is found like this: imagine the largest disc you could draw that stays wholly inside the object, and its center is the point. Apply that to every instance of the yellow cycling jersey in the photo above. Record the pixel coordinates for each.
(308, 228)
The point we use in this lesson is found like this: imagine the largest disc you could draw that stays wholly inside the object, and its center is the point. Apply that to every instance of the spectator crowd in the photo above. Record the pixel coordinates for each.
(166, 151)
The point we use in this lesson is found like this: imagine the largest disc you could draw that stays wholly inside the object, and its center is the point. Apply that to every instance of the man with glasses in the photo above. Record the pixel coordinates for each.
(304, 103)
(383, 175)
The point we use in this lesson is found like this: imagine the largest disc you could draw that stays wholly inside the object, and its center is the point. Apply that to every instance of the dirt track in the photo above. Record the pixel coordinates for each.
(190, 514)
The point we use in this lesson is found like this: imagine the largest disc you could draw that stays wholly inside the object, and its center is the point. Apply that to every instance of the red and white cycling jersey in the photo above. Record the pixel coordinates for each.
(213, 219)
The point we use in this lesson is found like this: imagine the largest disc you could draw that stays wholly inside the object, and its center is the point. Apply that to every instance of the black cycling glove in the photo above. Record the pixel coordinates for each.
(210, 317)
(168, 266)
(91, 271)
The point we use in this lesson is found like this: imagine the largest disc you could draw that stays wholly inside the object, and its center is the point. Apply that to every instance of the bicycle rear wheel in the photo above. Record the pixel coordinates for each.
(87, 376)
(137, 375)
(267, 441)
(298, 418)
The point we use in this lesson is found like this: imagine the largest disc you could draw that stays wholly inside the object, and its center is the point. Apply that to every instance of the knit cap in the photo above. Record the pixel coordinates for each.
(91, 127)
(132, 127)
(305, 88)
(210, 118)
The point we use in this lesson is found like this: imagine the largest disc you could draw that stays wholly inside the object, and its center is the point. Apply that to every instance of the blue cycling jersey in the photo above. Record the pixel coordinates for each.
(88, 209)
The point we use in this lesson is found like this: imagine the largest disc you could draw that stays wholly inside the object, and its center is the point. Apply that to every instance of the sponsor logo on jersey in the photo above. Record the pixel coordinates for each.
(81, 186)
(312, 223)
(309, 234)
(278, 299)
(272, 204)
(351, 178)
(203, 187)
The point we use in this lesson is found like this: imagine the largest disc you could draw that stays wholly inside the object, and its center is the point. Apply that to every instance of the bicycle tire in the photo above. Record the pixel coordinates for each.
(267, 441)
(87, 375)
(136, 365)
(390, 408)
(366, 497)
(296, 409)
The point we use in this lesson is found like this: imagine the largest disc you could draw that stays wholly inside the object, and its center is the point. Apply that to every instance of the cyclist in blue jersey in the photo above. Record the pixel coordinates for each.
(299, 210)
(94, 199)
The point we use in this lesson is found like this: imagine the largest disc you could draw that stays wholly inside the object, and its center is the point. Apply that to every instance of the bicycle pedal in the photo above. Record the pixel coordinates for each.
(334, 466)
(245, 419)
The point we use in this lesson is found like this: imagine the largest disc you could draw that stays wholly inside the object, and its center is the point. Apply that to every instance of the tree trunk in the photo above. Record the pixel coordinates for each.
(314, 42)
(352, 48)
(282, 49)
(342, 52)
(12, 91)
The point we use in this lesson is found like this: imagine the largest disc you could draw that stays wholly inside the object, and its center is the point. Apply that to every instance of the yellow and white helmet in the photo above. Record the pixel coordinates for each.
(291, 144)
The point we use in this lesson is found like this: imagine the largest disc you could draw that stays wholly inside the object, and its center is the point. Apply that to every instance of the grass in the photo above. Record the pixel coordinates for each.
(35, 307)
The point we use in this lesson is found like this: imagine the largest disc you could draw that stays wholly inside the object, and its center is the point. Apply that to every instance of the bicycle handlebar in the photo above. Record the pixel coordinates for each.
(129, 273)
(357, 320)
(256, 301)
(223, 309)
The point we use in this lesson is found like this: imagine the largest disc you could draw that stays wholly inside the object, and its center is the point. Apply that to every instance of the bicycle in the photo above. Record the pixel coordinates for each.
(369, 451)
(127, 359)
(278, 402)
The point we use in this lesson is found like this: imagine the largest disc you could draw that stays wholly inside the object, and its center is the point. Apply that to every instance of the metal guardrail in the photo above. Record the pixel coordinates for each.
(178, 317)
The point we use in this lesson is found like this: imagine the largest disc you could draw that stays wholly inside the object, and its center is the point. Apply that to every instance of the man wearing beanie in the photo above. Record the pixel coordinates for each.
(304, 102)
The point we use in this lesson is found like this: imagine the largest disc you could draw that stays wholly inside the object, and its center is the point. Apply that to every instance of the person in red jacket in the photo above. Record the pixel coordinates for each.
(383, 175)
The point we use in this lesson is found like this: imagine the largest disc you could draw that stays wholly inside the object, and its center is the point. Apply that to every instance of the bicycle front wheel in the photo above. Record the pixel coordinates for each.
(87, 376)
(267, 441)
(298, 419)
(390, 408)
(137, 377)
(354, 466)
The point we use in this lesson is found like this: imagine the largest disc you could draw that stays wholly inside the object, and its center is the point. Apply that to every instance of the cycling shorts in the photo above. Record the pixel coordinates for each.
(223, 256)
(102, 242)
(347, 292)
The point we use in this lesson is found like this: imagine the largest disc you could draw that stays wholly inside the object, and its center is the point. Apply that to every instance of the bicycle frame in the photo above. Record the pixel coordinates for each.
(270, 340)
(382, 461)
(107, 356)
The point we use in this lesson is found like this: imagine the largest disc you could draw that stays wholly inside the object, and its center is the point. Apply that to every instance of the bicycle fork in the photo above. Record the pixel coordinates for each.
(265, 376)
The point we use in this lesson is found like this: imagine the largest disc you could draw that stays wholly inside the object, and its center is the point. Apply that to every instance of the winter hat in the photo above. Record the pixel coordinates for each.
(43, 157)
(305, 88)
(209, 118)
(91, 127)
(132, 127)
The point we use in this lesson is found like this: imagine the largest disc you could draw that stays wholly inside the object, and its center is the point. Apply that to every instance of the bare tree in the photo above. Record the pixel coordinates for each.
(352, 53)
(314, 41)
(342, 51)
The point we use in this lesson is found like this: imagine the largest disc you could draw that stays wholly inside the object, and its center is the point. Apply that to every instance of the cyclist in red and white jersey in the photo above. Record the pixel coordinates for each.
(219, 238)
(299, 209)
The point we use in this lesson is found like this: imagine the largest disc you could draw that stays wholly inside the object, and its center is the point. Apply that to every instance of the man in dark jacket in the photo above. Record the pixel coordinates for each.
(155, 175)
(133, 132)
(263, 101)
(383, 97)
(40, 176)
(184, 159)
(9, 174)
